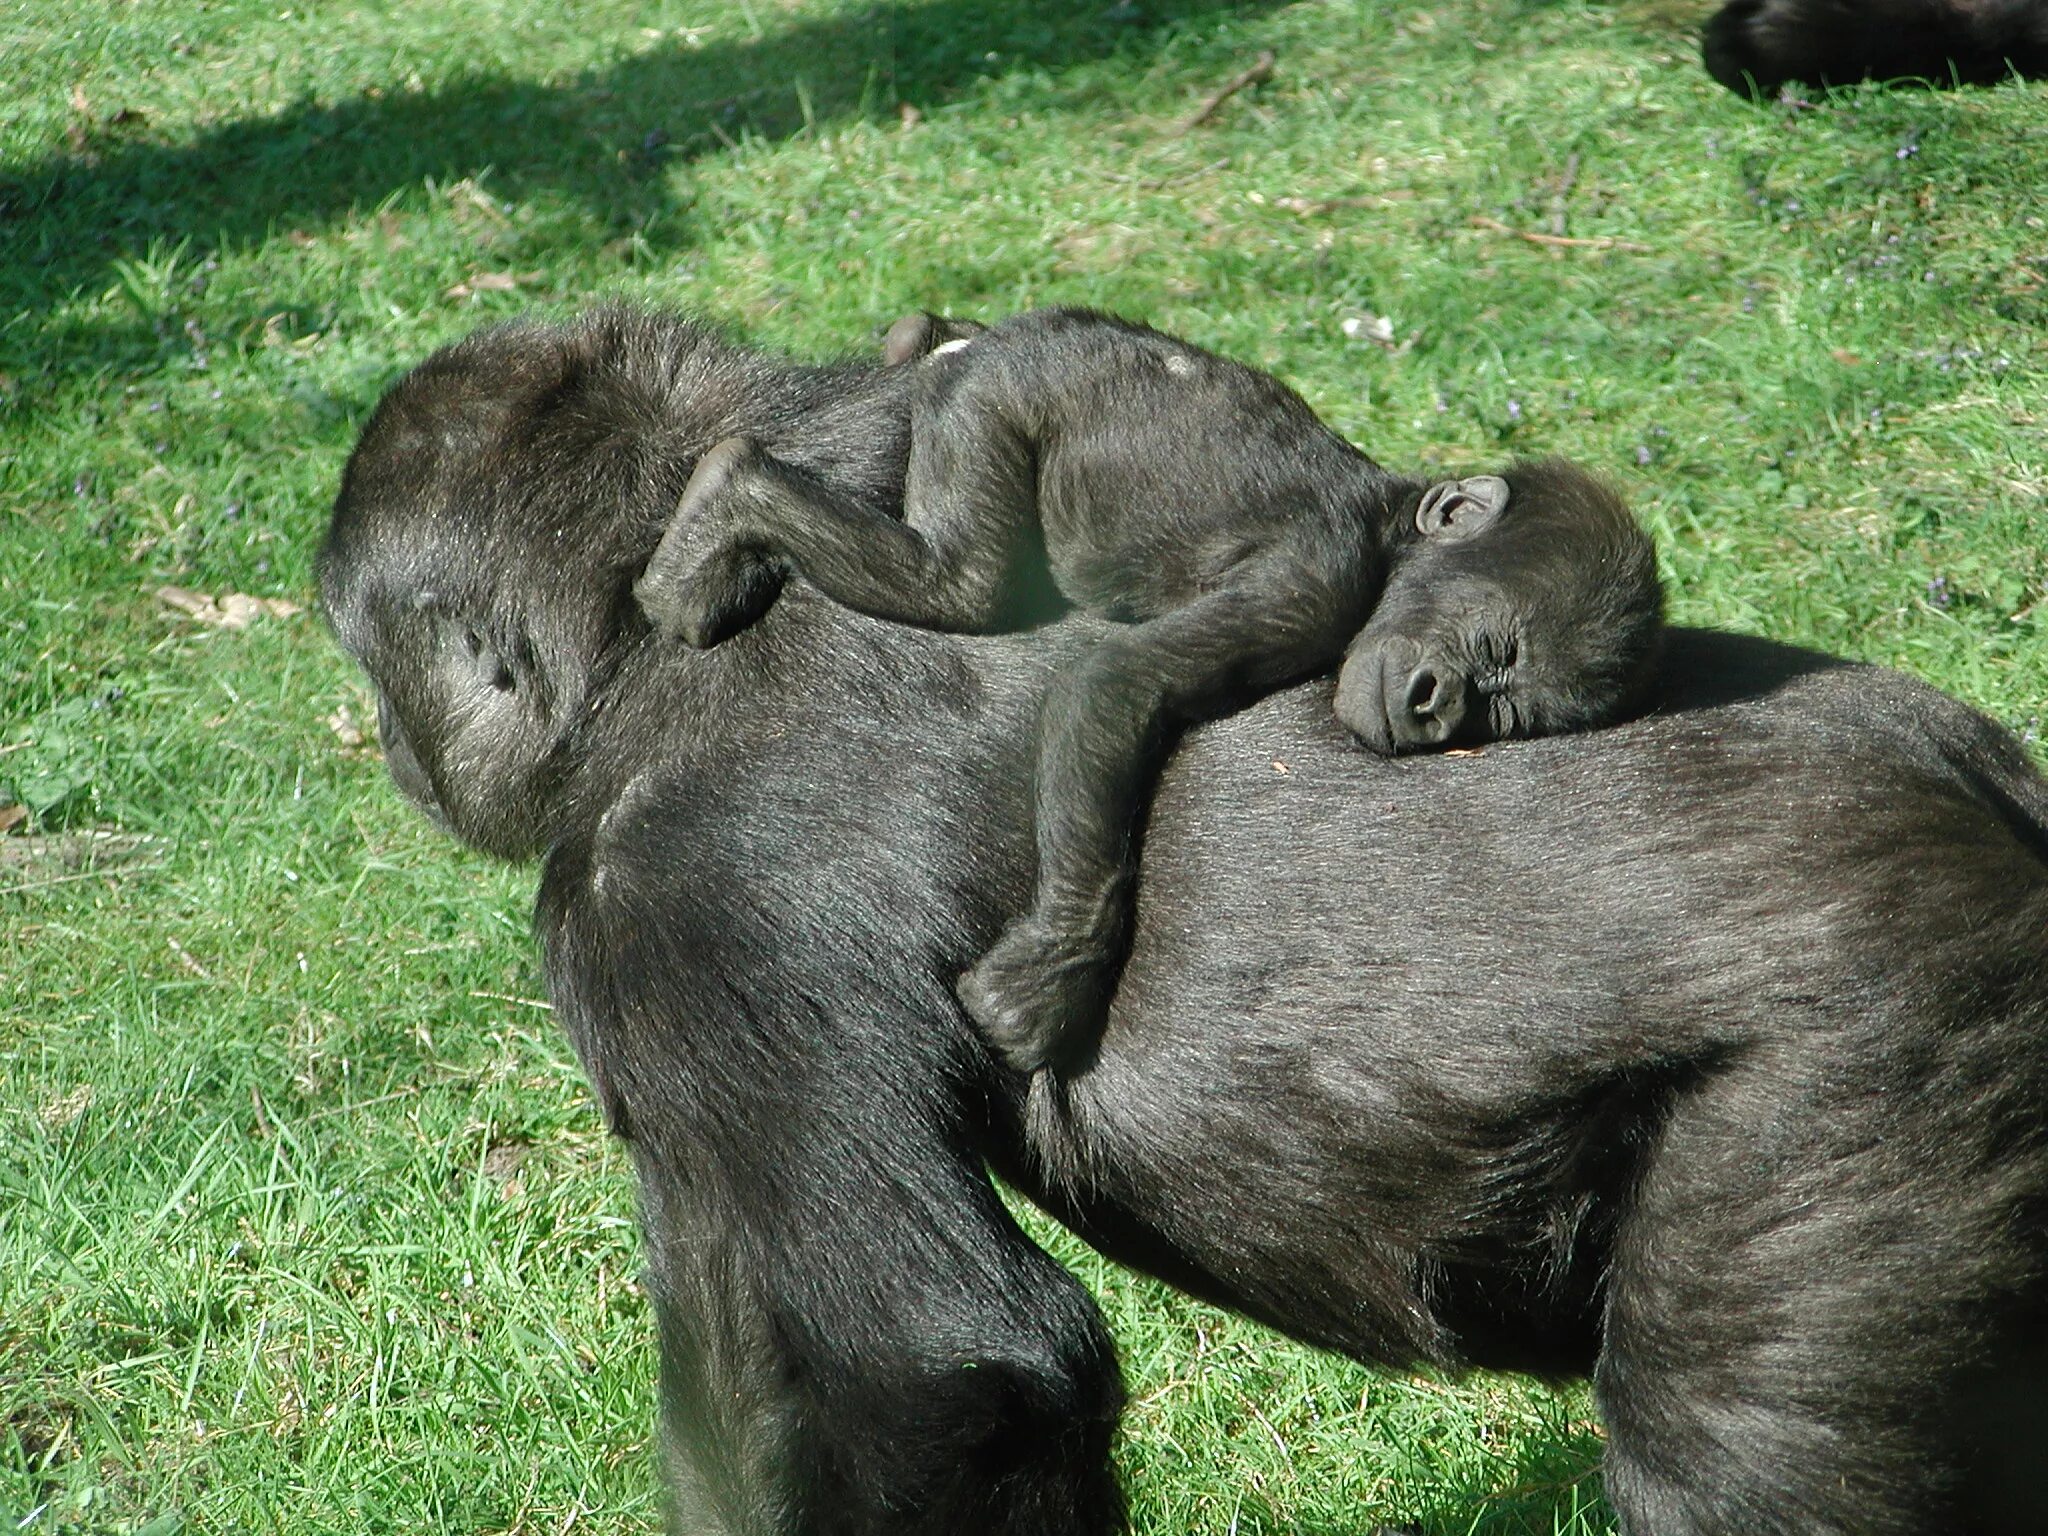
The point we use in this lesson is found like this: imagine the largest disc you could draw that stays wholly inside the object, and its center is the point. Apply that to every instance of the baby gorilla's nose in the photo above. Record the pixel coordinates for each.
(1398, 697)
(1431, 709)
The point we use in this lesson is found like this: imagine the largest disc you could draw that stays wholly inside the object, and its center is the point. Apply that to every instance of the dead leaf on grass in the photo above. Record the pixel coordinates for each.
(345, 727)
(1378, 329)
(502, 1164)
(61, 1111)
(489, 282)
(12, 816)
(231, 610)
(1104, 249)
(64, 855)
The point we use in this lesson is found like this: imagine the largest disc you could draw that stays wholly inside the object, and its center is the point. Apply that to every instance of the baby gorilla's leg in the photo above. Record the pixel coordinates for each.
(1041, 993)
(746, 518)
(703, 584)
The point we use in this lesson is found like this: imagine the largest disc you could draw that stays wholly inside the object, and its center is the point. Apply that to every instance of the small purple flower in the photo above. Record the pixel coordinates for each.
(1514, 410)
(1937, 592)
(1643, 454)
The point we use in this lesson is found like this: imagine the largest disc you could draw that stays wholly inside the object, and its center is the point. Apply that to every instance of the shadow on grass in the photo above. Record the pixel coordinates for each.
(601, 138)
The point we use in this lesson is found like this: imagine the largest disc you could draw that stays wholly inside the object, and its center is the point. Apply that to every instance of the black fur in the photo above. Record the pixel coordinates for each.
(1763, 44)
(1243, 543)
(1708, 1053)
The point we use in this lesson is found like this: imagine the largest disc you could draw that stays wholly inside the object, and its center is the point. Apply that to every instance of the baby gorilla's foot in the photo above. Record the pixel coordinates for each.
(1040, 996)
(722, 596)
(704, 584)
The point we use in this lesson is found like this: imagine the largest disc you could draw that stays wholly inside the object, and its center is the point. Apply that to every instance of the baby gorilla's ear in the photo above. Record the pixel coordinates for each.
(1453, 510)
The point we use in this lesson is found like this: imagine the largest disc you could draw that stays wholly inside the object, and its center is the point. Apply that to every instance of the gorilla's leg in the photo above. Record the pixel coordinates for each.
(899, 1358)
(968, 494)
(1810, 1305)
(1042, 992)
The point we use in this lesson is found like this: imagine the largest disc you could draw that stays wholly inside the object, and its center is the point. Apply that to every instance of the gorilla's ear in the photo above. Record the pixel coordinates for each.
(1453, 510)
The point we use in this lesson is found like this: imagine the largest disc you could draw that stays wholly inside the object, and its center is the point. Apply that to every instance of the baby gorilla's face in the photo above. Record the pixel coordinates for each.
(1525, 605)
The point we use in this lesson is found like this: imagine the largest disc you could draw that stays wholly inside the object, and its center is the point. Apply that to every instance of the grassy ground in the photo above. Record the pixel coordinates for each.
(306, 1224)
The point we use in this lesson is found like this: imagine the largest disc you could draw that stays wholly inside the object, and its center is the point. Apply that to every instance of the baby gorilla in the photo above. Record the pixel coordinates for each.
(1241, 543)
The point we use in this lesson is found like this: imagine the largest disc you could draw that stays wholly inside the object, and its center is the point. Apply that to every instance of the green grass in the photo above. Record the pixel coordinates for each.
(306, 1224)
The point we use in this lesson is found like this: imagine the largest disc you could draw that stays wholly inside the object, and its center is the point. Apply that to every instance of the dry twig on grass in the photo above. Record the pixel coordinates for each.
(1261, 70)
(1315, 207)
(1590, 243)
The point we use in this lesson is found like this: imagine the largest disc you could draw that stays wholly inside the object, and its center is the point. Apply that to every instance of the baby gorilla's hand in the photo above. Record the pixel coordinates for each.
(705, 582)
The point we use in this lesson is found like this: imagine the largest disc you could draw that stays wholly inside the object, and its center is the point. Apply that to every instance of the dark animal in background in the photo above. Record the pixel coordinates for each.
(1764, 44)
(1708, 1054)
(1243, 543)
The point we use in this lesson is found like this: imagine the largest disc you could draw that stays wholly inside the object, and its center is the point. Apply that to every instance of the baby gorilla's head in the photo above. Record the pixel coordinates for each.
(1524, 604)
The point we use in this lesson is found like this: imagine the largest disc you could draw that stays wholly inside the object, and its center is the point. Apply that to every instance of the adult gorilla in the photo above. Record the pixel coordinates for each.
(1764, 44)
(1708, 1054)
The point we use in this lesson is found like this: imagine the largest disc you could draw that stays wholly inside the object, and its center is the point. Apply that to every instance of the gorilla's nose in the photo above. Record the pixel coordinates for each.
(1427, 706)
(1398, 697)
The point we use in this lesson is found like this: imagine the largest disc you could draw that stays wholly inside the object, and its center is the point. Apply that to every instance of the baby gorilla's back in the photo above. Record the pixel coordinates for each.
(1160, 466)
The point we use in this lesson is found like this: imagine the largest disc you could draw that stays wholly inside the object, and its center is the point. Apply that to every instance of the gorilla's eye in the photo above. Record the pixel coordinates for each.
(1493, 661)
(484, 657)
